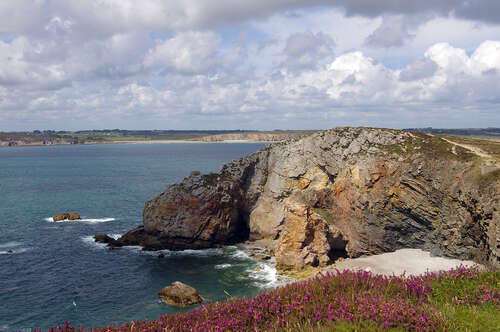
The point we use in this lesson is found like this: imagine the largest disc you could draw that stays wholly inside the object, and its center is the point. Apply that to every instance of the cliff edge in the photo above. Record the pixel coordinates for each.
(343, 192)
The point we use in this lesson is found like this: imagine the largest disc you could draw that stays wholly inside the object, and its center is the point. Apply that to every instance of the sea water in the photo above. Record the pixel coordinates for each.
(51, 272)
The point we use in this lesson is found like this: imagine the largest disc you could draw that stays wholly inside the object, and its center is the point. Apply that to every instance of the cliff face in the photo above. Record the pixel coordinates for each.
(275, 136)
(342, 192)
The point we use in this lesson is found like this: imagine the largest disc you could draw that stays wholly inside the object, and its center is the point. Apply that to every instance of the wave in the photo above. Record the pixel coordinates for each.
(265, 275)
(11, 248)
(14, 251)
(89, 239)
(10, 244)
(241, 255)
(222, 266)
(85, 220)
(173, 253)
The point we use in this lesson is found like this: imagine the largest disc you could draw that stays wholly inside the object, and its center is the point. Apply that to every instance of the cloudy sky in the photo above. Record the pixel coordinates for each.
(248, 64)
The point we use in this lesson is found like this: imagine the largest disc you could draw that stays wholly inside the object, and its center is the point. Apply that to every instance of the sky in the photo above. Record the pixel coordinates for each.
(241, 64)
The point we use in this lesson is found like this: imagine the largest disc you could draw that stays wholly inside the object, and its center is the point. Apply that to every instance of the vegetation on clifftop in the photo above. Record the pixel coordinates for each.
(463, 299)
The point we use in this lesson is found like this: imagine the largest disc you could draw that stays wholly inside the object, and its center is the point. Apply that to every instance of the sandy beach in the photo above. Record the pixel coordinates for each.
(403, 261)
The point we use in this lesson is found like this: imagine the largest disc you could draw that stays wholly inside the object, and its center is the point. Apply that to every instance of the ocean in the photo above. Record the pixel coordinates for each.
(56, 272)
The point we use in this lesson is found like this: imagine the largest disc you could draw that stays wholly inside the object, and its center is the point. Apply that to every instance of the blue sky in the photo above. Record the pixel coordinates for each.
(227, 64)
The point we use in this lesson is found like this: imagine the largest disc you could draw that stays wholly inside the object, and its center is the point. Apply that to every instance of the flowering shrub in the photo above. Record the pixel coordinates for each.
(322, 302)
(481, 296)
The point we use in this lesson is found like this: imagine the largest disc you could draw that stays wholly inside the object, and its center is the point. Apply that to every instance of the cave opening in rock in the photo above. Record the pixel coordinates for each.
(338, 248)
(242, 232)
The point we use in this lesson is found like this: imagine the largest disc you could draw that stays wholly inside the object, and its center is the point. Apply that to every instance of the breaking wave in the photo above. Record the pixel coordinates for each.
(85, 220)
(12, 247)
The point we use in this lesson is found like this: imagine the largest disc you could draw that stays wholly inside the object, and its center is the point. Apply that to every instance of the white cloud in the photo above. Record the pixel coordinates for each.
(307, 50)
(353, 88)
(187, 52)
(260, 64)
(393, 31)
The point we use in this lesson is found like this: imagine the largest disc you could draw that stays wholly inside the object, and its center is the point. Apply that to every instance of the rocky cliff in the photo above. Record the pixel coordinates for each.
(273, 136)
(341, 192)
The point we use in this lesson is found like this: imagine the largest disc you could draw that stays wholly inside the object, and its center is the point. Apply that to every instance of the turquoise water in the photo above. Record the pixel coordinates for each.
(57, 273)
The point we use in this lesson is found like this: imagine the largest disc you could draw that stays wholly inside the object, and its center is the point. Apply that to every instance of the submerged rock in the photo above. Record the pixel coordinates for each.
(179, 294)
(66, 216)
(345, 192)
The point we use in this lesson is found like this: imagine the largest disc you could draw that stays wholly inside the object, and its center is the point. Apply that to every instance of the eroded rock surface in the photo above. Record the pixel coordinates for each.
(180, 294)
(342, 192)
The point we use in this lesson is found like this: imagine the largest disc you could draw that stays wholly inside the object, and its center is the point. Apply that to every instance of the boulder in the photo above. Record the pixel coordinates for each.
(66, 216)
(180, 294)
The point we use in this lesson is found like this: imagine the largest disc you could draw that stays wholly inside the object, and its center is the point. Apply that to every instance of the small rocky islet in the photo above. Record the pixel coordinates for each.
(66, 216)
(344, 192)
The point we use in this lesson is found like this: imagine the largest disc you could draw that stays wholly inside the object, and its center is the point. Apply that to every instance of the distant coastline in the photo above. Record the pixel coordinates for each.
(118, 136)
(3, 145)
(48, 138)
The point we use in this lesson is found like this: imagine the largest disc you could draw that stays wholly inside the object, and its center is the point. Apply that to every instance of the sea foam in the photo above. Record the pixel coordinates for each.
(172, 253)
(13, 246)
(85, 220)
(222, 266)
(89, 239)
(10, 244)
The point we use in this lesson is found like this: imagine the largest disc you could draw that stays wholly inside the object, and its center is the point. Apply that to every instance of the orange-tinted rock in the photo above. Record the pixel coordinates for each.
(307, 239)
(351, 191)
(66, 216)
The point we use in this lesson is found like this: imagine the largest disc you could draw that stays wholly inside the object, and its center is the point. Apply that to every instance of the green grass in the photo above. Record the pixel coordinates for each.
(485, 180)
(464, 317)
(431, 146)
(324, 214)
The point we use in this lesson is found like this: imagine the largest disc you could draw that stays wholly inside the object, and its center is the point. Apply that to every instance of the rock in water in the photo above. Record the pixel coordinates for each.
(66, 216)
(180, 294)
(74, 216)
(103, 238)
(344, 192)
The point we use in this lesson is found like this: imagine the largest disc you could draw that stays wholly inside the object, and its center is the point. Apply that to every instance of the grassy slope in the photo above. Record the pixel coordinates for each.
(457, 300)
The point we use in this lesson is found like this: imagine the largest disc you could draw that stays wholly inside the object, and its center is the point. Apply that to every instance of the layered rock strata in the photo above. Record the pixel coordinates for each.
(344, 192)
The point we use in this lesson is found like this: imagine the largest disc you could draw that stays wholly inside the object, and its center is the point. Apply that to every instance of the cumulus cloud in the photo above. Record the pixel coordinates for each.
(353, 87)
(187, 52)
(99, 18)
(419, 69)
(199, 63)
(393, 31)
(306, 50)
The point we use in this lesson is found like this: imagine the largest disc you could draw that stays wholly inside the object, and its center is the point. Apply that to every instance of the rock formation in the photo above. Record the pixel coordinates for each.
(344, 192)
(180, 294)
(66, 216)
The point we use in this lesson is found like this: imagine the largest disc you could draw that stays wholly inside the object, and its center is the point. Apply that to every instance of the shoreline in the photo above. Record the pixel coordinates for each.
(144, 142)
